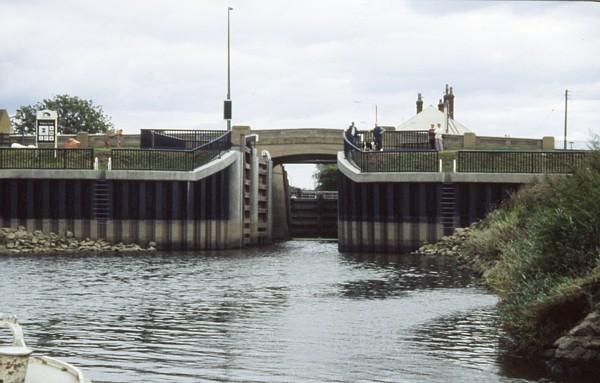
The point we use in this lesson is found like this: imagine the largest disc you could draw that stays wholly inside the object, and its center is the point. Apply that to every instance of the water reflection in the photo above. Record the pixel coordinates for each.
(297, 311)
(403, 273)
(467, 336)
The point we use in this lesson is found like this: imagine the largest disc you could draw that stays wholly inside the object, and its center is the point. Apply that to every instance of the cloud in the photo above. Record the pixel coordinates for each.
(306, 64)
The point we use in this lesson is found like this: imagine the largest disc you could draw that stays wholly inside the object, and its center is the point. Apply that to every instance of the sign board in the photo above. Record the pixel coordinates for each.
(46, 127)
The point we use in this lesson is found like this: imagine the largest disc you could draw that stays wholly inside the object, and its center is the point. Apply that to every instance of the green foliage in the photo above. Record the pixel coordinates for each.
(326, 177)
(544, 253)
(74, 115)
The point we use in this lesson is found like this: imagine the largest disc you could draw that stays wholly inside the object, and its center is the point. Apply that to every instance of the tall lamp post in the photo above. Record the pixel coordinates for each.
(227, 105)
(566, 98)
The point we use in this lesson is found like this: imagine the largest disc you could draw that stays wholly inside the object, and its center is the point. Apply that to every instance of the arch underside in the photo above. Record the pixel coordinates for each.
(305, 159)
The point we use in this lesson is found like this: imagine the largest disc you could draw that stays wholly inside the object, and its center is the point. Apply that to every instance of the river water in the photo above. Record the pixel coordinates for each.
(298, 311)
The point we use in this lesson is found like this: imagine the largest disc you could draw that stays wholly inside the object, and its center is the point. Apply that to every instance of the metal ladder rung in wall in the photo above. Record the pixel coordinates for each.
(448, 207)
(101, 207)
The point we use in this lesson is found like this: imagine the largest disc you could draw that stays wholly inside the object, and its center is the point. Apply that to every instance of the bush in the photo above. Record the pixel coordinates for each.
(543, 252)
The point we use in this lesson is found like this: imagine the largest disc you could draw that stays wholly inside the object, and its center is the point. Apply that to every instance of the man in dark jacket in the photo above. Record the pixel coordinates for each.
(378, 137)
(431, 136)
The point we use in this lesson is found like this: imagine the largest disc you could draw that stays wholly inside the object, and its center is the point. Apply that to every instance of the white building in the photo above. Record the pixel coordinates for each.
(441, 118)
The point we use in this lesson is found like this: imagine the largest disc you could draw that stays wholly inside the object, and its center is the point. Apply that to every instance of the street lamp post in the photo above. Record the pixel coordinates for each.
(227, 112)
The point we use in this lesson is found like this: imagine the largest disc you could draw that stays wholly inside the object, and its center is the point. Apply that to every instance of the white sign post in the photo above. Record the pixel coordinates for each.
(46, 128)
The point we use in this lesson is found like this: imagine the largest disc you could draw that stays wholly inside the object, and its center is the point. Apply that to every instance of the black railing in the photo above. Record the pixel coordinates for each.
(37, 158)
(174, 159)
(395, 140)
(520, 162)
(176, 139)
(390, 160)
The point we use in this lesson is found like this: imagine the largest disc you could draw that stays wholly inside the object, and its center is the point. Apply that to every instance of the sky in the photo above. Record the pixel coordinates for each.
(309, 64)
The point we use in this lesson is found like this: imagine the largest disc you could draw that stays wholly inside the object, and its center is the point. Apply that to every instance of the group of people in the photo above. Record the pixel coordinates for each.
(435, 138)
(356, 139)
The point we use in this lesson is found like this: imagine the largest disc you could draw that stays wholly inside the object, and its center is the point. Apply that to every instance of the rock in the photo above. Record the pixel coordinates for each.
(582, 342)
(22, 241)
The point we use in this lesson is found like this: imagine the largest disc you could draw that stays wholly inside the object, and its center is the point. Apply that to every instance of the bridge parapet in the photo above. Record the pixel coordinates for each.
(300, 145)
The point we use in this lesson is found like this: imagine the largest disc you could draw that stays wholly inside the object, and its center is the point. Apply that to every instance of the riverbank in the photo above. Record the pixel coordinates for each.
(20, 241)
(540, 253)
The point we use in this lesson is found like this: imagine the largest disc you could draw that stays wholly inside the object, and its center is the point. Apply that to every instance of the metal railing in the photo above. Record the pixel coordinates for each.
(42, 158)
(395, 140)
(173, 159)
(314, 194)
(176, 139)
(405, 160)
(520, 162)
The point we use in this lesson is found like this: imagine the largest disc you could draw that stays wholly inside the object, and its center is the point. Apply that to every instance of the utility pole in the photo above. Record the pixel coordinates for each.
(566, 98)
(227, 112)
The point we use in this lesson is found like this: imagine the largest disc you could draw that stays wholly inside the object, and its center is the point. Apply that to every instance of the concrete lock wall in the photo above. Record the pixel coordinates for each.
(203, 209)
(401, 216)
(281, 204)
(397, 212)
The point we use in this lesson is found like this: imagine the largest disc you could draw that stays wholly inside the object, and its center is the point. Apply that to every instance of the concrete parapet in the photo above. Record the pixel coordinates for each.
(84, 139)
(469, 140)
(237, 132)
(548, 143)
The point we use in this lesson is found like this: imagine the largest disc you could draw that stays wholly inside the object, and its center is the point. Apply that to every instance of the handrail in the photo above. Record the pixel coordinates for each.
(170, 159)
(46, 158)
(538, 162)
(399, 140)
(408, 160)
(179, 139)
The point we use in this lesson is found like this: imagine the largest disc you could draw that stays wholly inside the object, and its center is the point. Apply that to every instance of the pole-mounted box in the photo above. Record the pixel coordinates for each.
(227, 110)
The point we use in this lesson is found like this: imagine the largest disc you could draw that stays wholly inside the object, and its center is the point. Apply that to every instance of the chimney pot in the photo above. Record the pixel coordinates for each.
(419, 104)
(451, 104)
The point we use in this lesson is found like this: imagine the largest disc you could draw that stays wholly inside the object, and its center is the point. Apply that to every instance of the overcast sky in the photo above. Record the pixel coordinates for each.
(309, 64)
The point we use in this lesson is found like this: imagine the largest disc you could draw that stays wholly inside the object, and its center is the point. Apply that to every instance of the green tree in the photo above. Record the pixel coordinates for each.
(326, 177)
(74, 115)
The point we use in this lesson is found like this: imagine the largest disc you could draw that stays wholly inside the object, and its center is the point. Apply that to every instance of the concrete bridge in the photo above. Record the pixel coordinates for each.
(292, 146)
(299, 146)
(240, 196)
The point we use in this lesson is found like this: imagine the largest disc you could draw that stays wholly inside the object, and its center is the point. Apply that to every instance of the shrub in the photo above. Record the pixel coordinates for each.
(543, 247)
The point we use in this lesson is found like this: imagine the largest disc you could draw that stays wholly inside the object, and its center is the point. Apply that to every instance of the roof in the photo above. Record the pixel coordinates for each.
(432, 116)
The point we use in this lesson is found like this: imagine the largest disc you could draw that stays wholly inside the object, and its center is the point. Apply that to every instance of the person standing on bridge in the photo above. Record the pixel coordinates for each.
(431, 136)
(378, 137)
(353, 134)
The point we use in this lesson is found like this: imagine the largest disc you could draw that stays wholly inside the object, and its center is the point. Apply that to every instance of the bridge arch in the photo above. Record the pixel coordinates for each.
(295, 146)
(301, 146)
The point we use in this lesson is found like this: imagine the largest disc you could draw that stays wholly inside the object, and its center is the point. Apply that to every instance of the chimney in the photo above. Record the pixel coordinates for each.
(451, 104)
(446, 95)
(441, 106)
(419, 104)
